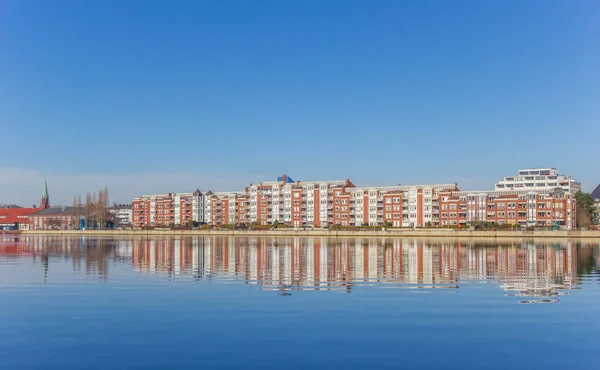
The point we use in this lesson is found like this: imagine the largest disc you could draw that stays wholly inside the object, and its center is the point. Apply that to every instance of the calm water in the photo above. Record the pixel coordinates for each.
(297, 303)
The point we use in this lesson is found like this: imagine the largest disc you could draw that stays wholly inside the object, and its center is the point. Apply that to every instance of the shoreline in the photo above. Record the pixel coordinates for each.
(425, 233)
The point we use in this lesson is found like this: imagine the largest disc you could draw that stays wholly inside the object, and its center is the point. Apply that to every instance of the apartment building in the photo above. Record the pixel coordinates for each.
(167, 209)
(524, 208)
(296, 203)
(400, 205)
(539, 179)
(535, 197)
(122, 214)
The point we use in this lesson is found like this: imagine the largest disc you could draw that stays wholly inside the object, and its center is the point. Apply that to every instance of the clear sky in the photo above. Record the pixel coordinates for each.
(158, 96)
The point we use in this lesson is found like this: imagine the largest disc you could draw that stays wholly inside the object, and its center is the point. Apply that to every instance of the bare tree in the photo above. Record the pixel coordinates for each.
(74, 213)
(100, 212)
(102, 204)
(88, 209)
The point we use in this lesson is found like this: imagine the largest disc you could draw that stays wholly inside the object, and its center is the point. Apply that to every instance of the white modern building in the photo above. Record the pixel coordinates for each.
(123, 214)
(536, 179)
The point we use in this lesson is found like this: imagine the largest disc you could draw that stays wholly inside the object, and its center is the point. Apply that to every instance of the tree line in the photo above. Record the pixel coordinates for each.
(586, 209)
(94, 209)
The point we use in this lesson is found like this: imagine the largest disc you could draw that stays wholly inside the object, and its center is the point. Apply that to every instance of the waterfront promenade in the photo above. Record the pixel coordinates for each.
(425, 233)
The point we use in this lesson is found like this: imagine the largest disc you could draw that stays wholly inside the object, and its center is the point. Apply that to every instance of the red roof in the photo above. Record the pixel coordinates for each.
(20, 215)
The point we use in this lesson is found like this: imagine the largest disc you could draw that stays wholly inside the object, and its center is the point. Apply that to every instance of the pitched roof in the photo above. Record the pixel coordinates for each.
(121, 206)
(596, 192)
(58, 211)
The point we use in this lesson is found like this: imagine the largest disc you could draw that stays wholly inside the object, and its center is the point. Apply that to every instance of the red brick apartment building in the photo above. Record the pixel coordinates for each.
(515, 208)
(340, 202)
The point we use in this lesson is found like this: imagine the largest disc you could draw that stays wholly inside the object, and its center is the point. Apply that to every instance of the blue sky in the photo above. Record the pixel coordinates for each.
(219, 94)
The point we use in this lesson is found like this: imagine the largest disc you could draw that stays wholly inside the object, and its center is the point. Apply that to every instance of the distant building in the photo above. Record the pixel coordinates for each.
(57, 218)
(14, 217)
(596, 195)
(537, 179)
(122, 214)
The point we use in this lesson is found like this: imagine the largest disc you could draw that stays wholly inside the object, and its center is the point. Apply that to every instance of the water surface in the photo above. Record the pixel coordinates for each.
(298, 303)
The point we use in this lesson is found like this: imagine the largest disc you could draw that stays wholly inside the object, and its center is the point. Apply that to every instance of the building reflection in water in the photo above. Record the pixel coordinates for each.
(91, 256)
(539, 272)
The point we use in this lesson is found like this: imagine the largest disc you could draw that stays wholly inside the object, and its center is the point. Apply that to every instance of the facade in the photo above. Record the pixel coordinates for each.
(167, 209)
(122, 214)
(524, 208)
(539, 179)
(57, 218)
(296, 203)
(535, 197)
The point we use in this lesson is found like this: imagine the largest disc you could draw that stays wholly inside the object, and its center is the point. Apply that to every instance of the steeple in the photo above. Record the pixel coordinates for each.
(45, 198)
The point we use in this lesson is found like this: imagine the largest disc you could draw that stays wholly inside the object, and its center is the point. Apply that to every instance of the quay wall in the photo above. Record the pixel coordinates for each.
(412, 233)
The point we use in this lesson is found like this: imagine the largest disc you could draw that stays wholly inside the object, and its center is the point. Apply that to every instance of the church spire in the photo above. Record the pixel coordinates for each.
(45, 198)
